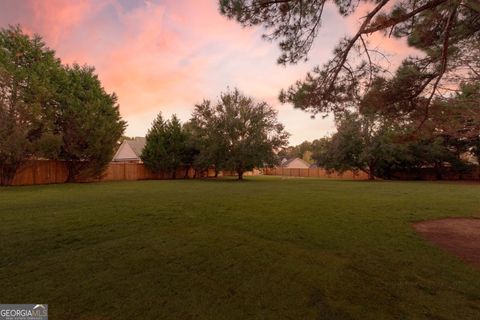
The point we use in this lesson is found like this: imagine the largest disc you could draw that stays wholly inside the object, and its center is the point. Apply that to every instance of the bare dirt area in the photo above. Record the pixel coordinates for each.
(459, 236)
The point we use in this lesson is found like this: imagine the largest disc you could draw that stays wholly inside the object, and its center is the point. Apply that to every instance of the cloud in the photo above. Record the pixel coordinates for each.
(168, 55)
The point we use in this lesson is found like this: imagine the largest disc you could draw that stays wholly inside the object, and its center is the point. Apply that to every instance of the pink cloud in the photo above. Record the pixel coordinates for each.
(168, 55)
(54, 19)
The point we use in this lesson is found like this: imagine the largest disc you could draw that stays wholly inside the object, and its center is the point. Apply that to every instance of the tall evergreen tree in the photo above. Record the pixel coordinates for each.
(193, 144)
(155, 151)
(166, 145)
(176, 145)
(89, 121)
(28, 86)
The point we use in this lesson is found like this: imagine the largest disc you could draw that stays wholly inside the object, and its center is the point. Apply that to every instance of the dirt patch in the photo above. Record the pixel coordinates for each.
(459, 236)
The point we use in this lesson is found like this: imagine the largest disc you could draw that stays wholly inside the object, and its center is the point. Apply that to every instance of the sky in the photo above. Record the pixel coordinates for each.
(168, 55)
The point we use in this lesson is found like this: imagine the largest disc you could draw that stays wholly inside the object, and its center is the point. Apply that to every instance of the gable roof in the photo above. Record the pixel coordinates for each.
(130, 149)
(137, 145)
(286, 163)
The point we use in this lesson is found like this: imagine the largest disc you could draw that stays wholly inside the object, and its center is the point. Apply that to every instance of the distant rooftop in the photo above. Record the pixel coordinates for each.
(137, 144)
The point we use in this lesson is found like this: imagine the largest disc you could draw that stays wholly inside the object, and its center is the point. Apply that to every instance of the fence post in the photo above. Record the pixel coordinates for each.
(34, 168)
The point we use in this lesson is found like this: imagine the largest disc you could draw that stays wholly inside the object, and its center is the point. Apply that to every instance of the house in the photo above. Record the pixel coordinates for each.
(130, 150)
(294, 163)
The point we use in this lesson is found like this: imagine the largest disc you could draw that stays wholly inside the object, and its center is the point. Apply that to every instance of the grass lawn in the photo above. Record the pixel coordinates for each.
(267, 248)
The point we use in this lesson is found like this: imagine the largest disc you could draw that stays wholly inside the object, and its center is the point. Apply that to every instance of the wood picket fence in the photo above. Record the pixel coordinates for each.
(51, 171)
(449, 174)
(315, 173)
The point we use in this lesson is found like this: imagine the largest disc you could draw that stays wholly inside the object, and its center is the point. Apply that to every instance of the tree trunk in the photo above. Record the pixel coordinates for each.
(174, 174)
(186, 173)
(418, 173)
(371, 172)
(240, 174)
(216, 173)
(7, 174)
(388, 173)
(71, 171)
(438, 170)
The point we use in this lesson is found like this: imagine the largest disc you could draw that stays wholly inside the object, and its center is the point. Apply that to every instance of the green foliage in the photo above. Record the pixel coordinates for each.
(238, 133)
(447, 32)
(51, 111)
(166, 146)
(193, 147)
(155, 151)
(303, 151)
(89, 121)
(362, 142)
(380, 147)
(210, 140)
(28, 73)
(319, 149)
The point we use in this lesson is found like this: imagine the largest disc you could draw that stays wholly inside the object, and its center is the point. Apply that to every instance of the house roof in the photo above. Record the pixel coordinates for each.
(286, 163)
(137, 145)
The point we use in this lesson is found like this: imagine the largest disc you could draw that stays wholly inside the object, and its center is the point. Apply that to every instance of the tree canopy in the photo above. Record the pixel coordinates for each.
(361, 143)
(48, 110)
(240, 133)
(446, 32)
(376, 145)
(166, 145)
(89, 122)
(28, 74)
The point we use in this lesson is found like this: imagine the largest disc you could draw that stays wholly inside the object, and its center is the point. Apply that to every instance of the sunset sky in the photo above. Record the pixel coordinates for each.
(167, 55)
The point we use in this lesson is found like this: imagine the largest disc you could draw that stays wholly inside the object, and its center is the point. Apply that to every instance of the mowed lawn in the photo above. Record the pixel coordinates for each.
(266, 248)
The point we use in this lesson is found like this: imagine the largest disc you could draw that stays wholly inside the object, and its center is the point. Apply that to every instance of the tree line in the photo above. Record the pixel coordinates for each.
(424, 112)
(381, 146)
(235, 133)
(52, 111)
(49, 110)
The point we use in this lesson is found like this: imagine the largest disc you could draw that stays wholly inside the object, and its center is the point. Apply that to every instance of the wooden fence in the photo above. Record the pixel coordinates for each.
(419, 174)
(315, 173)
(50, 171)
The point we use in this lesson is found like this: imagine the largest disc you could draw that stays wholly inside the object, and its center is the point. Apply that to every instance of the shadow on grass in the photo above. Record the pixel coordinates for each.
(228, 180)
(246, 179)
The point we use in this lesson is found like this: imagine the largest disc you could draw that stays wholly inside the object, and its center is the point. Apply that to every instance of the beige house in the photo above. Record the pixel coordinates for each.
(130, 150)
(295, 163)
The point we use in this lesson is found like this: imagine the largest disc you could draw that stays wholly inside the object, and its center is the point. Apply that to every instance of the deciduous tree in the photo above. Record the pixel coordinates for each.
(362, 142)
(248, 132)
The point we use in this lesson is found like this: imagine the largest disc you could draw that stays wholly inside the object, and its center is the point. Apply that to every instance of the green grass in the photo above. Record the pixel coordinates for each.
(267, 248)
